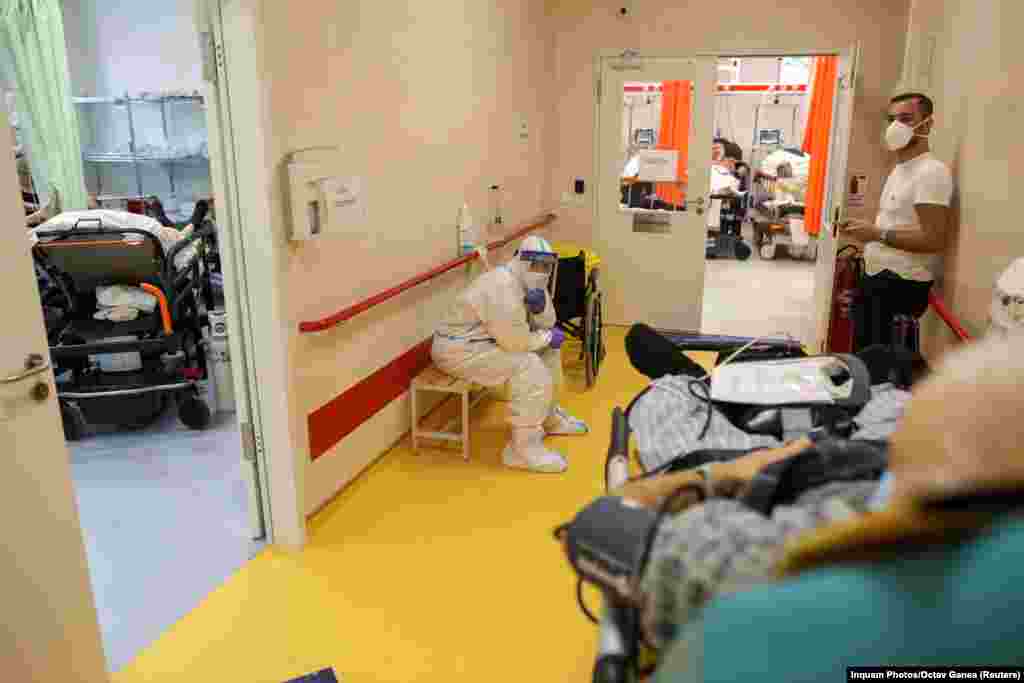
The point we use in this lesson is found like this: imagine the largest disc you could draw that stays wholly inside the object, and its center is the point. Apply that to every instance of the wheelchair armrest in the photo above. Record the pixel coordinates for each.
(616, 465)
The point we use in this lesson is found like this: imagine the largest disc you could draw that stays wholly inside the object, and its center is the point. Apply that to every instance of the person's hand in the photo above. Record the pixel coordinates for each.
(860, 230)
(536, 301)
(557, 338)
(727, 478)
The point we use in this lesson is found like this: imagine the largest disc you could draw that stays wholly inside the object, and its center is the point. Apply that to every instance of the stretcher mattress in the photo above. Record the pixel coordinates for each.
(667, 420)
(119, 219)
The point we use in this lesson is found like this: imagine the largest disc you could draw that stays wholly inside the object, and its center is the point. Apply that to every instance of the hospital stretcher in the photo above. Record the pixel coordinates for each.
(778, 221)
(622, 654)
(123, 371)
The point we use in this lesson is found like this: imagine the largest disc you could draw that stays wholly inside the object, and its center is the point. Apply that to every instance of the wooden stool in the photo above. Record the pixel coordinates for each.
(432, 379)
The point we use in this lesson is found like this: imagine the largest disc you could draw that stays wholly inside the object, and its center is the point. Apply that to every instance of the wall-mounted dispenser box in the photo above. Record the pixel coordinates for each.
(323, 200)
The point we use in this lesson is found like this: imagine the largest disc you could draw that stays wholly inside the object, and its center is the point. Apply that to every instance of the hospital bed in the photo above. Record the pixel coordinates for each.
(122, 369)
(776, 210)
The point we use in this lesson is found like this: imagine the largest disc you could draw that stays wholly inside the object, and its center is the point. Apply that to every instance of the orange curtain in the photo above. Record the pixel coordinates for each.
(817, 136)
(674, 133)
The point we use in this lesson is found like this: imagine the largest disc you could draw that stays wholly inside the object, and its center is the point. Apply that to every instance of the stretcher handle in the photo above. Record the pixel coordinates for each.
(165, 311)
(97, 221)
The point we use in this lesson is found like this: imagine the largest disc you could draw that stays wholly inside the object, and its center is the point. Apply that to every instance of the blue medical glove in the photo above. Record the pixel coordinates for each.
(535, 301)
(557, 338)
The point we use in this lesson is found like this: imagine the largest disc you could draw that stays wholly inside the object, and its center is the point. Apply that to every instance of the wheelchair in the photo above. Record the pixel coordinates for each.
(577, 300)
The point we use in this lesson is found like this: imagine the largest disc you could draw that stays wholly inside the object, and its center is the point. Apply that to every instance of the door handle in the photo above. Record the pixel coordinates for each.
(34, 365)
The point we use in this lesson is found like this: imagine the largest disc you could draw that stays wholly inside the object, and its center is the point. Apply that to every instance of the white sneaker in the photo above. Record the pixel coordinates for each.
(561, 423)
(526, 452)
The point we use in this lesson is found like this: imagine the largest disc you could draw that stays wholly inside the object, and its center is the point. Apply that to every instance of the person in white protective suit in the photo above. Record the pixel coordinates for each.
(1006, 313)
(502, 329)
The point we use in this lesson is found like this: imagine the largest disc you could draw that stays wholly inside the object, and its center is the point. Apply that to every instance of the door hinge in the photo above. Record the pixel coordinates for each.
(598, 90)
(249, 443)
(208, 48)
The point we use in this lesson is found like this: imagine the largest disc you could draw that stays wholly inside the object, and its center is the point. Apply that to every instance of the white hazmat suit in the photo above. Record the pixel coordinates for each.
(490, 338)
(1007, 310)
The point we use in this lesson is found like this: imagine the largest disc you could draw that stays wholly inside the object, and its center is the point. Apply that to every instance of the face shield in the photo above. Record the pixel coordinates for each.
(537, 268)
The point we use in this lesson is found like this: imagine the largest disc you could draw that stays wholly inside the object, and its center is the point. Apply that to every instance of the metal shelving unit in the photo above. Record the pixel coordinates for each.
(138, 155)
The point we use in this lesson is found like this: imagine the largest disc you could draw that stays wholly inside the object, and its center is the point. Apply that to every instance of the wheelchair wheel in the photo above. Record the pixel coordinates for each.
(194, 413)
(613, 669)
(594, 339)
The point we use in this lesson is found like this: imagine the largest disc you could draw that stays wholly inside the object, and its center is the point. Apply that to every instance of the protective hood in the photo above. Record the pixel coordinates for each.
(1007, 309)
(532, 250)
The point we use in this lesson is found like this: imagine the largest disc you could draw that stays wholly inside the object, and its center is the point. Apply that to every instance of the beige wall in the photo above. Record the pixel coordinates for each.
(977, 118)
(582, 27)
(424, 101)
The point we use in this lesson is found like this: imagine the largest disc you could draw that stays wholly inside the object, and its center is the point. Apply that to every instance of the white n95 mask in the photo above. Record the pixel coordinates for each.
(898, 135)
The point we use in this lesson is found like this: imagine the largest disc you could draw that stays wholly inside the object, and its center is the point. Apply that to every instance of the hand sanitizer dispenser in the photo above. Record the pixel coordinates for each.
(322, 199)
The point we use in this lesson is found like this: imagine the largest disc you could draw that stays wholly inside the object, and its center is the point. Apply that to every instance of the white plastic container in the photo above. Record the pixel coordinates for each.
(218, 365)
(218, 324)
(468, 231)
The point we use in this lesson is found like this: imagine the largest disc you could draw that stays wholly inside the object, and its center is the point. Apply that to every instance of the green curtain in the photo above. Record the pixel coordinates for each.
(32, 31)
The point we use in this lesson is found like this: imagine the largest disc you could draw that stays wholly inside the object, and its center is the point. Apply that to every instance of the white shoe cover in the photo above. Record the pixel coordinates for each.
(561, 423)
(526, 452)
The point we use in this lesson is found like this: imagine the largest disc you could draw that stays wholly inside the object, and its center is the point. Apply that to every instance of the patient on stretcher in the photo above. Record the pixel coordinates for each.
(734, 499)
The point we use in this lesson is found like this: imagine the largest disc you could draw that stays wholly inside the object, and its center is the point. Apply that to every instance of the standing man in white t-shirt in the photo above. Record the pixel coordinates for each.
(902, 248)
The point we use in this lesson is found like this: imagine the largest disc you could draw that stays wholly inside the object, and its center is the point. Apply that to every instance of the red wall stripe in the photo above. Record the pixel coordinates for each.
(332, 422)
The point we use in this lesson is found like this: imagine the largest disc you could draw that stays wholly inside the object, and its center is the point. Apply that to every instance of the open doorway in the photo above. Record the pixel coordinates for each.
(762, 281)
(757, 178)
(141, 303)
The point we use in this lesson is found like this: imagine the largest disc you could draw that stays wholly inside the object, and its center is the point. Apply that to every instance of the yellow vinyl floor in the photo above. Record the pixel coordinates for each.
(426, 568)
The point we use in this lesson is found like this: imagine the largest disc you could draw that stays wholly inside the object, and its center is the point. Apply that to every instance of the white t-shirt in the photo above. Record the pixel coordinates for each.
(922, 180)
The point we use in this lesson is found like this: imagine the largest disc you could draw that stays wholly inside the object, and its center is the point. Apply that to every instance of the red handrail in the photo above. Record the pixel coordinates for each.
(943, 312)
(365, 305)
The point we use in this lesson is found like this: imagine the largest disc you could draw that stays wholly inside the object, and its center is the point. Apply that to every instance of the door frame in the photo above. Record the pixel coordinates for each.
(247, 176)
(834, 162)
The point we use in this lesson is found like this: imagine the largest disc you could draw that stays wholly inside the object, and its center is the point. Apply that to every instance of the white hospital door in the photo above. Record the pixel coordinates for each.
(652, 243)
(52, 630)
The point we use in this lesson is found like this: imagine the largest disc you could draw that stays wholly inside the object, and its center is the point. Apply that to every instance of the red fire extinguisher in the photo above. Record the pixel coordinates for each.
(849, 269)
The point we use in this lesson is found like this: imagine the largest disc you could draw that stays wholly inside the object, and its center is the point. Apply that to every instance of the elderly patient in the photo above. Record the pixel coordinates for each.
(722, 545)
(931, 578)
